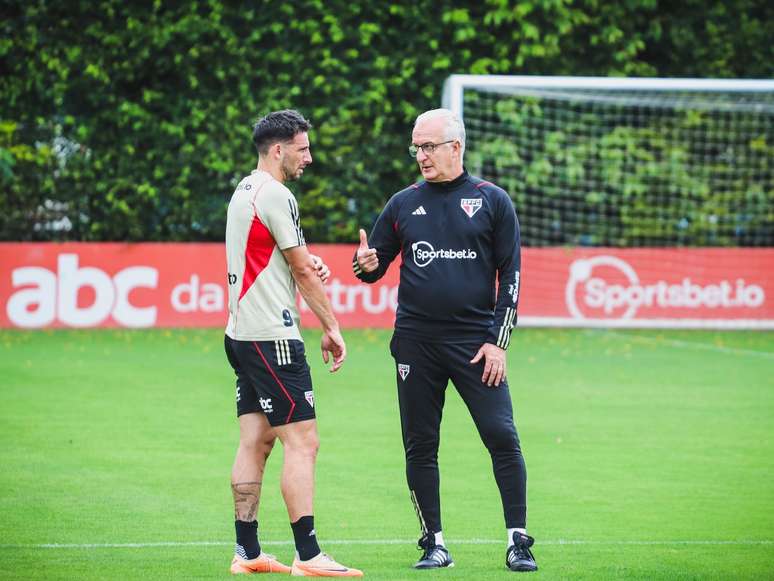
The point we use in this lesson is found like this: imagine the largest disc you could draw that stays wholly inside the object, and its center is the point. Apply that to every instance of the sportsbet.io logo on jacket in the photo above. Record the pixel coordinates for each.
(452, 251)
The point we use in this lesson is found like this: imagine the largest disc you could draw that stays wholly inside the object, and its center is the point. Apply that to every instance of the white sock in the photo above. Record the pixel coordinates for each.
(510, 534)
(439, 539)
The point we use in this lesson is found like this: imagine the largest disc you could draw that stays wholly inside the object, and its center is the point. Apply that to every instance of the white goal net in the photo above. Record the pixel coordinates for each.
(647, 164)
(625, 162)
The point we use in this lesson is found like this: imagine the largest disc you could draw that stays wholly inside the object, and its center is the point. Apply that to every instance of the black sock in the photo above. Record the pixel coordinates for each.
(306, 538)
(247, 539)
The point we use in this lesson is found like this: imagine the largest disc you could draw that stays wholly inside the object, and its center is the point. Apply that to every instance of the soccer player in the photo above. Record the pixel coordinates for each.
(267, 260)
(458, 235)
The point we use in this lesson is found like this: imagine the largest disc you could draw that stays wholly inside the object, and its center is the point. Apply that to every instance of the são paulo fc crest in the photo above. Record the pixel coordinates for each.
(403, 371)
(309, 395)
(470, 205)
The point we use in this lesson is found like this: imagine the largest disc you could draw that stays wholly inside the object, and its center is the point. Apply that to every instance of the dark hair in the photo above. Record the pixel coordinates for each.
(278, 126)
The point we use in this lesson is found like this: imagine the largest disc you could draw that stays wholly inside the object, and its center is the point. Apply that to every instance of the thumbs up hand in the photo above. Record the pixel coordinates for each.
(366, 257)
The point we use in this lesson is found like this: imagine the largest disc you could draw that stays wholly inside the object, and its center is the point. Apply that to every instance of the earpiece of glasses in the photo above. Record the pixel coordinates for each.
(428, 148)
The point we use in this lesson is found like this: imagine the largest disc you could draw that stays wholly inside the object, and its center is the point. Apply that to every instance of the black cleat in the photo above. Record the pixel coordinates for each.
(519, 557)
(434, 556)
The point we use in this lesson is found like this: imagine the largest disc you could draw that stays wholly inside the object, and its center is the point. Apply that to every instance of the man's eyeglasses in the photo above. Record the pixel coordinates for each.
(428, 148)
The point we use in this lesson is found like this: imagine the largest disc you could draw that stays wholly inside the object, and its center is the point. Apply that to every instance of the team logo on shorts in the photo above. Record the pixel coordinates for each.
(309, 395)
(266, 404)
(403, 370)
(470, 205)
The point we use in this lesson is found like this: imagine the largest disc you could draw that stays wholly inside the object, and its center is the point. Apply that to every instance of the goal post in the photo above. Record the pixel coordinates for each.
(671, 179)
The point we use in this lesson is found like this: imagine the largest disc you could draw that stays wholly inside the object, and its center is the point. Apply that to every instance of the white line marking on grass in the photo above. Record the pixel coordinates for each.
(379, 542)
(688, 344)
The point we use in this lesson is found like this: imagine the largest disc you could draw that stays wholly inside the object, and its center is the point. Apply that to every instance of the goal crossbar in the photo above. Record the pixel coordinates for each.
(455, 85)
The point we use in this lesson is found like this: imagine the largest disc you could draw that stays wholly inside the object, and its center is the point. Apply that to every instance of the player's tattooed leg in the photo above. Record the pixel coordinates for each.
(246, 496)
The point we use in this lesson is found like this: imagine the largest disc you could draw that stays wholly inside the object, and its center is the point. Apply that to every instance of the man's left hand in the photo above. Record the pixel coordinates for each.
(333, 347)
(494, 368)
(322, 269)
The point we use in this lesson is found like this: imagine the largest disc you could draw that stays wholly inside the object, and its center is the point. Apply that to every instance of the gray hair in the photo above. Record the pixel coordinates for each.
(454, 128)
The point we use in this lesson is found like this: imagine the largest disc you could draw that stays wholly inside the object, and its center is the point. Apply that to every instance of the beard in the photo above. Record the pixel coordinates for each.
(290, 172)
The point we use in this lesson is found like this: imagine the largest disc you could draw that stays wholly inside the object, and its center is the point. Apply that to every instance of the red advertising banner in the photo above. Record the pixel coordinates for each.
(649, 287)
(184, 285)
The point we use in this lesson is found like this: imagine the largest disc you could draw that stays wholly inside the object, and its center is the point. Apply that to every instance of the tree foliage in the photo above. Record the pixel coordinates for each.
(131, 120)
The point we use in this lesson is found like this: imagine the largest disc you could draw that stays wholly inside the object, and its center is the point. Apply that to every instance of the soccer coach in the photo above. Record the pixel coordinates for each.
(458, 235)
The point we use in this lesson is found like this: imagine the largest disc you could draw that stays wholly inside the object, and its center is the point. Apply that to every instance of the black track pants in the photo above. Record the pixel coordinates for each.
(423, 372)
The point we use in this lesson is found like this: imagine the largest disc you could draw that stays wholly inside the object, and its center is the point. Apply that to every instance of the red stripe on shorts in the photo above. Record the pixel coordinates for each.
(277, 379)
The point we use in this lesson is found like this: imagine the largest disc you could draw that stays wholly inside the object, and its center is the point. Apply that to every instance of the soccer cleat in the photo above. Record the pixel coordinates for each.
(519, 557)
(322, 566)
(434, 556)
(263, 563)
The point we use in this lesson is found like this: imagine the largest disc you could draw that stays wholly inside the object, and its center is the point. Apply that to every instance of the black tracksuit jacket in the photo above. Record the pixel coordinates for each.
(456, 240)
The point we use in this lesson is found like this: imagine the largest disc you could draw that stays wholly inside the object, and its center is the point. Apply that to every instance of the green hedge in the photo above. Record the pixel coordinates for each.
(131, 120)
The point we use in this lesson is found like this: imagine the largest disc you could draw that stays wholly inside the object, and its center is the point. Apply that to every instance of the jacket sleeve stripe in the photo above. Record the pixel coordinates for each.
(504, 337)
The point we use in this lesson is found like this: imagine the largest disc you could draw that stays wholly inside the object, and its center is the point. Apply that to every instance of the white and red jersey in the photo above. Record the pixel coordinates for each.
(262, 221)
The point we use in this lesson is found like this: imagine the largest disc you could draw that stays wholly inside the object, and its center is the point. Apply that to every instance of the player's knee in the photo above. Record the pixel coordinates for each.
(306, 446)
(422, 449)
(500, 440)
(312, 445)
(265, 447)
(256, 446)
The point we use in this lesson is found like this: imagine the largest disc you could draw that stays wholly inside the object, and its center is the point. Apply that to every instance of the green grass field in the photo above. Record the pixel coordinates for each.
(650, 456)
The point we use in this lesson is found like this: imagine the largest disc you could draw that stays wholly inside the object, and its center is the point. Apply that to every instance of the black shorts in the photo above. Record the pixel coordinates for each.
(273, 378)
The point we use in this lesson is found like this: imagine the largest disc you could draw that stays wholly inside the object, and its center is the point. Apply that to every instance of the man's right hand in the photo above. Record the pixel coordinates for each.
(366, 257)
